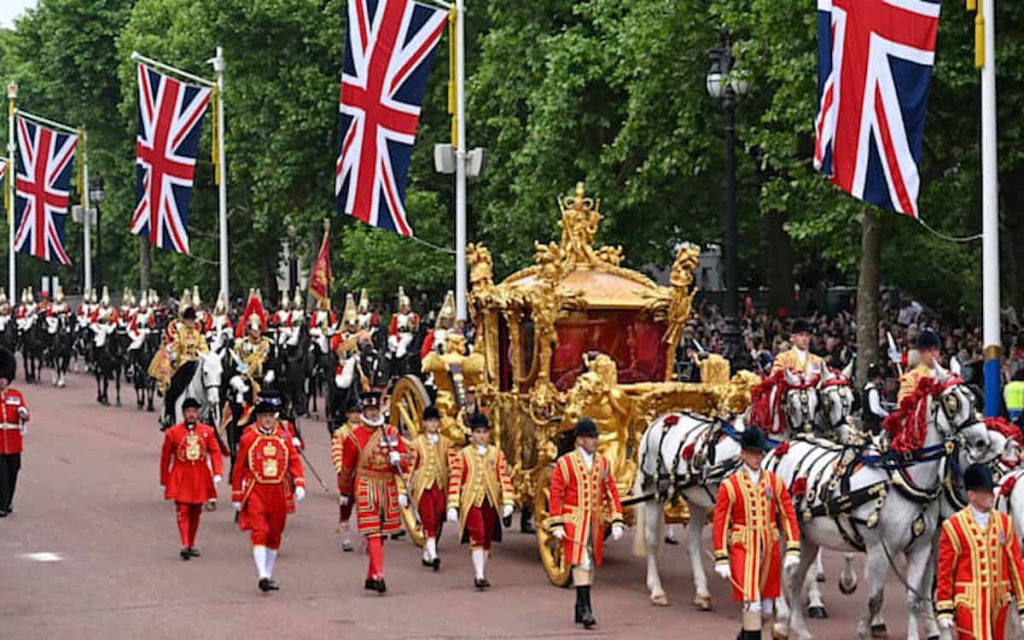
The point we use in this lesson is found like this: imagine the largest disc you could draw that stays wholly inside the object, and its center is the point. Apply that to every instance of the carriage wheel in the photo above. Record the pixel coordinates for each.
(408, 400)
(552, 558)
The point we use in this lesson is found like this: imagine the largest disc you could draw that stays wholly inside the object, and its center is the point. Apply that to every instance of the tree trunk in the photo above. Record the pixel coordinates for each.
(867, 295)
(780, 263)
(145, 265)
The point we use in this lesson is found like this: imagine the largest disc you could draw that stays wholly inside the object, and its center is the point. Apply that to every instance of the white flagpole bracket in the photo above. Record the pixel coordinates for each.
(138, 57)
(46, 121)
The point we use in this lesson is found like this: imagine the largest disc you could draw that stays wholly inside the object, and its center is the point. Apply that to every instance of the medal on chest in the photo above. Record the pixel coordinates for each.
(193, 449)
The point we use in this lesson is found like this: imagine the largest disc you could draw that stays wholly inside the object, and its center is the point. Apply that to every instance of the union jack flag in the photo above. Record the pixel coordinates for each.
(170, 121)
(875, 61)
(388, 51)
(42, 179)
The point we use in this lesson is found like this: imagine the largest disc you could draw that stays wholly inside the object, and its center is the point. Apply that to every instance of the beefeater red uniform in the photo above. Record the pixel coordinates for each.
(979, 571)
(746, 533)
(260, 481)
(190, 460)
(582, 501)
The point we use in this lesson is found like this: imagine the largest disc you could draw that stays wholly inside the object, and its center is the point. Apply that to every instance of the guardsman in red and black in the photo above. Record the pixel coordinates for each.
(261, 486)
(980, 567)
(14, 415)
(751, 507)
(190, 470)
(583, 500)
(478, 485)
(373, 463)
(429, 482)
(353, 412)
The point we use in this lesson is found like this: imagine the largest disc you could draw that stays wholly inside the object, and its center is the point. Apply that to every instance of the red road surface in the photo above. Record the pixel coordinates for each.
(88, 493)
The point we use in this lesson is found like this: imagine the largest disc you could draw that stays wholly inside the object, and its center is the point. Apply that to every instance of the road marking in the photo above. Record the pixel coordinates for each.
(43, 556)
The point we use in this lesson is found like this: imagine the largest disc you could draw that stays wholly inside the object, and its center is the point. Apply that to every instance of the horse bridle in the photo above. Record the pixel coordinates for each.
(845, 400)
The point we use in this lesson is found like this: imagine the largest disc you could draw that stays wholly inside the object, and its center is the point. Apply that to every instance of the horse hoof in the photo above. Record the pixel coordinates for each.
(779, 635)
(702, 601)
(879, 631)
(820, 577)
(817, 613)
(847, 590)
(659, 600)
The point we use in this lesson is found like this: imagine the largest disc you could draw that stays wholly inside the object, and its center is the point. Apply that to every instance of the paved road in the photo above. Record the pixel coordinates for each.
(89, 496)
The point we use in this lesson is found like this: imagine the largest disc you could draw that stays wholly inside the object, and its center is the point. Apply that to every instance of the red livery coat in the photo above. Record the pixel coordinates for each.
(746, 533)
(263, 468)
(184, 470)
(11, 401)
(582, 500)
(979, 571)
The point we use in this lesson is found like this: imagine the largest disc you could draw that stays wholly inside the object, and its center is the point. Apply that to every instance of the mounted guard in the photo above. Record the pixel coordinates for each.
(403, 327)
(174, 365)
(445, 325)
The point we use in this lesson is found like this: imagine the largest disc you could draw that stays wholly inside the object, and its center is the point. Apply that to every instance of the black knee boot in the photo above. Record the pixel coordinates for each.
(586, 613)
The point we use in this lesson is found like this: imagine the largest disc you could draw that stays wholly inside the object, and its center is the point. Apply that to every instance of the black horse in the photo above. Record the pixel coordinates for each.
(297, 364)
(32, 346)
(138, 371)
(61, 344)
(109, 358)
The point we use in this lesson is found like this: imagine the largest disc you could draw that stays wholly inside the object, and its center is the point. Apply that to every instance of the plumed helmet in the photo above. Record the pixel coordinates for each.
(978, 477)
(446, 316)
(349, 315)
(800, 325)
(222, 303)
(185, 302)
(29, 298)
(254, 316)
(105, 300)
(431, 413)
(585, 427)
(928, 339)
(286, 304)
(297, 302)
(196, 300)
(403, 300)
(58, 296)
(364, 301)
(752, 439)
(479, 421)
(8, 364)
(3, 296)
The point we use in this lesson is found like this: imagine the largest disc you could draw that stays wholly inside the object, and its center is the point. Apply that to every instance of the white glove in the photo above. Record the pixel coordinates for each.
(297, 443)
(453, 515)
(216, 480)
(722, 569)
(403, 501)
(946, 624)
(300, 493)
(617, 531)
(395, 458)
(559, 533)
(790, 562)
(237, 506)
(343, 500)
(22, 413)
(507, 511)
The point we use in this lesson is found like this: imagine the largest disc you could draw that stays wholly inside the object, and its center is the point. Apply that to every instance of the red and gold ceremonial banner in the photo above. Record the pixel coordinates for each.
(320, 279)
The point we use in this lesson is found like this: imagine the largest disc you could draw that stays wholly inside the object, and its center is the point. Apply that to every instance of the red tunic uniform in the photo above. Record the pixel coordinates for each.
(265, 464)
(367, 474)
(10, 428)
(746, 533)
(582, 501)
(478, 485)
(184, 470)
(979, 571)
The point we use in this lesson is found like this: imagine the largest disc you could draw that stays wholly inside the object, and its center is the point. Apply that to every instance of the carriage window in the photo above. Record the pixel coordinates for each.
(631, 338)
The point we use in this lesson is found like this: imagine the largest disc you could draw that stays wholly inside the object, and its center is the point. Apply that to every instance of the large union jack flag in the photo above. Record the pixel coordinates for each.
(170, 122)
(42, 178)
(875, 61)
(388, 52)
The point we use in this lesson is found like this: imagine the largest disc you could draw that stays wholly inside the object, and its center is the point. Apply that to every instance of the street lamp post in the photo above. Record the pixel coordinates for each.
(724, 84)
(96, 195)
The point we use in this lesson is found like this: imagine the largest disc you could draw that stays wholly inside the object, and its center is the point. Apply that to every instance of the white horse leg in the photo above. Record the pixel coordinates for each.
(819, 567)
(782, 612)
(797, 626)
(693, 538)
(848, 576)
(931, 627)
(815, 604)
(917, 568)
(872, 625)
(653, 532)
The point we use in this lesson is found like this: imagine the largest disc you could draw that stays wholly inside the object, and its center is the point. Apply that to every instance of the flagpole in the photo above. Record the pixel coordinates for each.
(460, 161)
(222, 171)
(87, 217)
(990, 215)
(12, 277)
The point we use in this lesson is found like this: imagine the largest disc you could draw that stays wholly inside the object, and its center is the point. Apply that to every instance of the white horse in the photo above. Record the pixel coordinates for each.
(686, 456)
(204, 387)
(856, 499)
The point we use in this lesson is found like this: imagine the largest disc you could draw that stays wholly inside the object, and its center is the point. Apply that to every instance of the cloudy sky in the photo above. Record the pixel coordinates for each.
(11, 9)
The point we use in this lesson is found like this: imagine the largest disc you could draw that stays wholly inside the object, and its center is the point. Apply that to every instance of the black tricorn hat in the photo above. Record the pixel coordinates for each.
(8, 364)
(190, 403)
(479, 421)
(586, 427)
(431, 413)
(928, 339)
(978, 477)
(800, 325)
(752, 439)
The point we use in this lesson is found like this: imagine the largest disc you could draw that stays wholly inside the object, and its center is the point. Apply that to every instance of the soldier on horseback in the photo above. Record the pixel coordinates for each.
(348, 376)
(218, 324)
(368, 320)
(181, 352)
(444, 325)
(799, 359)
(402, 328)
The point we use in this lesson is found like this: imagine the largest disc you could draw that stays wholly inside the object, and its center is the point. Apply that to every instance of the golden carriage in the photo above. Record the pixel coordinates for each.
(575, 334)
